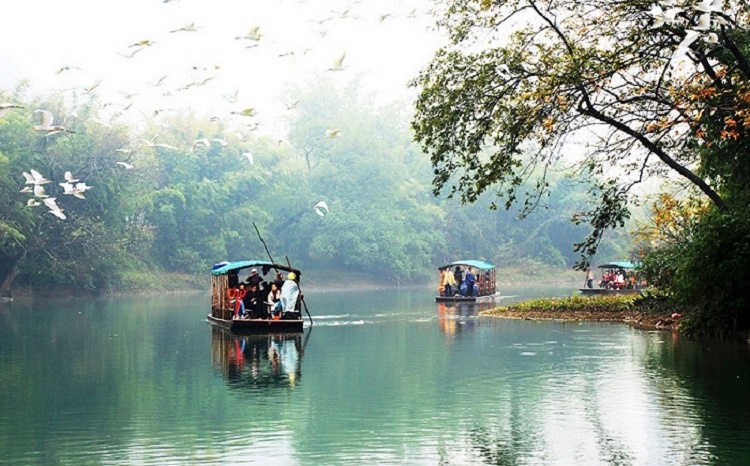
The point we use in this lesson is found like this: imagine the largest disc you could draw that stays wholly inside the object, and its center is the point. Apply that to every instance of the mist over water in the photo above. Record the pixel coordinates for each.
(380, 377)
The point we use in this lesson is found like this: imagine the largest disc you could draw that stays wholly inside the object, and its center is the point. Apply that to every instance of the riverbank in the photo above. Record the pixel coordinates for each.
(640, 312)
(140, 282)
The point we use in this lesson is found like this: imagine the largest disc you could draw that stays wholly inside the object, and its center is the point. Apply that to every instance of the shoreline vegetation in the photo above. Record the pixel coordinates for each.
(642, 312)
(159, 282)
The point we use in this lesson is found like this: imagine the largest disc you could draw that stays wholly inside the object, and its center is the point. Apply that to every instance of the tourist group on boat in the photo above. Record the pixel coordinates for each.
(255, 298)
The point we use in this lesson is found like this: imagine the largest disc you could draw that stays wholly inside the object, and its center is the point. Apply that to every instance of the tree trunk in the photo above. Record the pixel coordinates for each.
(8, 272)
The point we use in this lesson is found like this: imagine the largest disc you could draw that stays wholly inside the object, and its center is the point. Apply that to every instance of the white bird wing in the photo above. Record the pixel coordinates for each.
(29, 178)
(690, 37)
(47, 119)
(704, 22)
(58, 213)
(67, 187)
(249, 157)
(320, 207)
(51, 203)
(39, 191)
(69, 177)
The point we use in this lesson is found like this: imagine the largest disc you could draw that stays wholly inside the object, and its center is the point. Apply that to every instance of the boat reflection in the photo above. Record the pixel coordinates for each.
(459, 317)
(258, 361)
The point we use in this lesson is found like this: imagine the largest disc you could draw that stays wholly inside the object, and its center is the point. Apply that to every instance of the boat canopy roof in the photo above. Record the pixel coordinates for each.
(223, 268)
(481, 265)
(618, 265)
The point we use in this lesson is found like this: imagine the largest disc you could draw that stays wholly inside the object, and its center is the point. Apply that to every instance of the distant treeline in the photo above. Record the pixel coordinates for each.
(183, 193)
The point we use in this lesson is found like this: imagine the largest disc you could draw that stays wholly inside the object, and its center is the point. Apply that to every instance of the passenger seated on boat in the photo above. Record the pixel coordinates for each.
(619, 281)
(254, 303)
(273, 301)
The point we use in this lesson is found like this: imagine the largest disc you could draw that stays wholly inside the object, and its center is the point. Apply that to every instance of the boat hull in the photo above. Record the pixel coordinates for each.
(257, 325)
(608, 292)
(467, 299)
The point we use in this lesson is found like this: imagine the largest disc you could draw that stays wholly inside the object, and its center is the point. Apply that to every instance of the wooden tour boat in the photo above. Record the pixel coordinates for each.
(225, 280)
(486, 290)
(631, 285)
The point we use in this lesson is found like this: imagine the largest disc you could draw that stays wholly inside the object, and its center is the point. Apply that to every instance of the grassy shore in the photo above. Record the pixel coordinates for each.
(639, 311)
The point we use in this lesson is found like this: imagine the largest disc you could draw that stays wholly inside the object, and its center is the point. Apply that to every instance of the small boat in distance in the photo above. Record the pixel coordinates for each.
(483, 291)
(617, 278)
(225, 283)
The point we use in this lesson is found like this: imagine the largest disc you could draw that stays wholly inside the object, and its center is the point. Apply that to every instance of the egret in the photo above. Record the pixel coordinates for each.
(704, 22)
(37, 178)
(46, 124)
(690, 37)
(58, 213)
(69, 177)
(6, 107)
(51, 203)
(249, 157)
(338, 65)
(32, 203)
(201, 142)
(68, 188)
(333, 133)
(320, 207)
(187, 28)
(26, 189)
(254, 35)
(39, 191)
(125, 165)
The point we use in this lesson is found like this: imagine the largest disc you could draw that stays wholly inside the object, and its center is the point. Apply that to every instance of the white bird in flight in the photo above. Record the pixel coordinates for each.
(6, 107)
(39, 191)
(320, 207)
(333, 133)
(32, 203)
(46, 124)
(69, 177)
(249, 157)
(704, 22)
(35, 178)
(125, 165)
(254, 34)
(338, 65)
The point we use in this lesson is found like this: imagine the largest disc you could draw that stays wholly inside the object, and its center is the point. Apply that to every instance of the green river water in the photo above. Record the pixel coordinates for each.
(383, 377)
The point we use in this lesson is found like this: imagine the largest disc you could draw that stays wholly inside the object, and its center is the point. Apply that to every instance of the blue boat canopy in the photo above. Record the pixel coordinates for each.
(481, 265)
(223, 268)
(618, 265)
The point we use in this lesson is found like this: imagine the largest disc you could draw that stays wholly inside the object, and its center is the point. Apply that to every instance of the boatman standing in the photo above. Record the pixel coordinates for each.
(289, 293)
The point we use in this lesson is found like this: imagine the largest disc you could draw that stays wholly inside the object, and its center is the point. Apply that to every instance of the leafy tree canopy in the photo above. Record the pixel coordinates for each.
(645, 88)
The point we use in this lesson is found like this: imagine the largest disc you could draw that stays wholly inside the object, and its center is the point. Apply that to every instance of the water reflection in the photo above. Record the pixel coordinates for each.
(258, 361)
(459, 317)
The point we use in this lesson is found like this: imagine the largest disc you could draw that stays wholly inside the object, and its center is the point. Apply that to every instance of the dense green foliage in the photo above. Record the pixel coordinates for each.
(187, 204)
(656, 92)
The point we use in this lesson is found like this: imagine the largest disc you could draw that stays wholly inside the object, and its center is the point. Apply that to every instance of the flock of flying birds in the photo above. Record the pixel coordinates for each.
(35, 185)
(709, 12)
(45, 121)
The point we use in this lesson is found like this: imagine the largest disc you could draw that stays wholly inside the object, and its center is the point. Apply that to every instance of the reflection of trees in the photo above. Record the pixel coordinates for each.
(258, 361)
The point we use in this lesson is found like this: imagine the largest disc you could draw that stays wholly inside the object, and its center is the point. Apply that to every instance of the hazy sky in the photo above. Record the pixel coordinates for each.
(386, 43)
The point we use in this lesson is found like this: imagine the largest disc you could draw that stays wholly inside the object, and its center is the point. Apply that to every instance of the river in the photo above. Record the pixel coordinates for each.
(383, 377)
